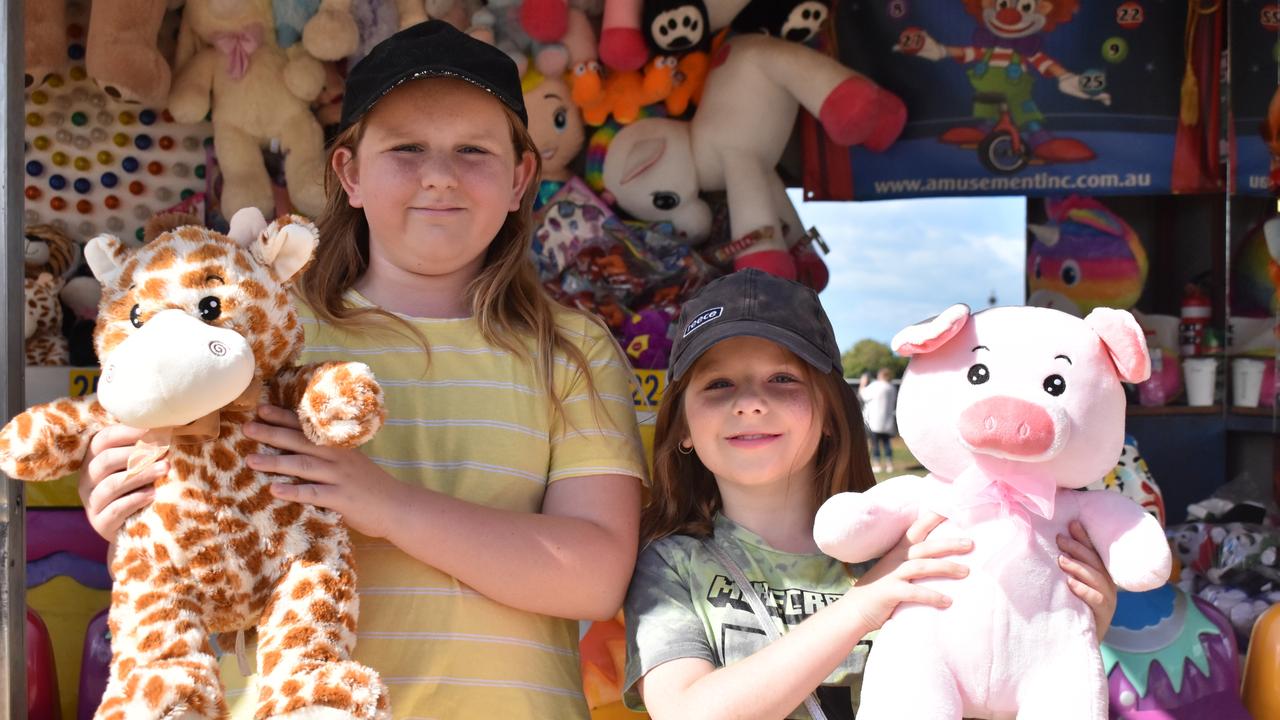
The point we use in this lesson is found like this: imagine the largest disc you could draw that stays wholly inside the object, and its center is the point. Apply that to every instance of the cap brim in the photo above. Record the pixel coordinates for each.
(424, 73)
(709, 336)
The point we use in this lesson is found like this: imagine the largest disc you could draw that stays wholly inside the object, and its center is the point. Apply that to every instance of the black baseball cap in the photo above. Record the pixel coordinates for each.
(430, 49)
(755, 303)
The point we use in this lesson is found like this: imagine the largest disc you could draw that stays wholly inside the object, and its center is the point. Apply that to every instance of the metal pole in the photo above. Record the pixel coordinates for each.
(13, 591)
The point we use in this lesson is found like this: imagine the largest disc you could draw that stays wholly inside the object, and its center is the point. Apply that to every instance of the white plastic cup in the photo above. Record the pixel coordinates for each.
(1200, 374)
(1246, 381)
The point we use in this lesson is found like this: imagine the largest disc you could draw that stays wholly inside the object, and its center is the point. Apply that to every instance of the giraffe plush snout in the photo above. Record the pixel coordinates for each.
(173, 370)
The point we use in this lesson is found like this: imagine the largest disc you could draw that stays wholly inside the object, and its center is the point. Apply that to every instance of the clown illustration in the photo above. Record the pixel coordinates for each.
(1004, 52)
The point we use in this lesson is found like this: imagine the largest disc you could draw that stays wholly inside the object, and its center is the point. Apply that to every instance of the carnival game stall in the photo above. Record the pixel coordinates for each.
(1146, 136)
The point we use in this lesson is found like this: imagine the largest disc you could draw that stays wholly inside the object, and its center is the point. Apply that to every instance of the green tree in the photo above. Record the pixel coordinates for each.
(869, 355)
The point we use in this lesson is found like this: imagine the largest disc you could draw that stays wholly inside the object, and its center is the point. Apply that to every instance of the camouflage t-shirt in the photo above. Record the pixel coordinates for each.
(683, 604)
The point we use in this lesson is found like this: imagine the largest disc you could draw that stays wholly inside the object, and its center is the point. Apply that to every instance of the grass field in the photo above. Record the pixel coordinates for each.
(903, 462)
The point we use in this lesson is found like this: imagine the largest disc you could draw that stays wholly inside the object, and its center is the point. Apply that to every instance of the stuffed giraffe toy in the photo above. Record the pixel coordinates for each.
(194, 331)
(42, 324)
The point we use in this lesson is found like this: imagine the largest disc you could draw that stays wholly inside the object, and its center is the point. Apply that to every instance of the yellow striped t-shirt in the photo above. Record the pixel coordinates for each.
(473, 423)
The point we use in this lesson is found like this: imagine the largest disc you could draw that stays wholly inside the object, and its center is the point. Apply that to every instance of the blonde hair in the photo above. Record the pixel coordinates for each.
(684, 497)
(506, 298)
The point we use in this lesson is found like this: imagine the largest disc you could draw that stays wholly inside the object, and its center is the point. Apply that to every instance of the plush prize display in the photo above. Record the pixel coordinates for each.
(120, 52)
(195, 331)
(1085, 257)
(656, 168)
(555, 124)
(228, 61)
(42, 323)
(1009, 410)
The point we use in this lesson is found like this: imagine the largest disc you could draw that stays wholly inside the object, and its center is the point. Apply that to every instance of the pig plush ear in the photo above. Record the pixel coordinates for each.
(932, 333)
(1125, 342)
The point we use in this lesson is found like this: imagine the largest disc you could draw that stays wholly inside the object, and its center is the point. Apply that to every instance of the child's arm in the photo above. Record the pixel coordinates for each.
(775, 680)
(856, 527)
(572, 560)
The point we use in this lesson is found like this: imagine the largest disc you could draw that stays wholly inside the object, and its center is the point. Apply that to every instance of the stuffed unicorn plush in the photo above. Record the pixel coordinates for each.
(1010, 410)
(656, 167)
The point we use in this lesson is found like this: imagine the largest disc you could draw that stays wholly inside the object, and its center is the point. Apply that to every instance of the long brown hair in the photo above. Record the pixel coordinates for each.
(507, 300)
(684, 499)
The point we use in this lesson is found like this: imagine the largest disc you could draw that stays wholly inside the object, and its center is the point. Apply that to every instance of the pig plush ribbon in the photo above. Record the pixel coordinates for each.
(238, 47)
(977, 495)
(155, 443)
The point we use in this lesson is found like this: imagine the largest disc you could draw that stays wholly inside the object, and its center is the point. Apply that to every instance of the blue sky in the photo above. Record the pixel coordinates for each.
(895, 262)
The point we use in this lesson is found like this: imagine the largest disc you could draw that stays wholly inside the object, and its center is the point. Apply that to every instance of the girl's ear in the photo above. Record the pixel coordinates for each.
(343, 161)
(526, 168)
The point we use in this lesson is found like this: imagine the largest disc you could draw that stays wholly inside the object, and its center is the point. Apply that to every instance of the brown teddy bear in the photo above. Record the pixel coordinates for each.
(228, 61)
(120, 50)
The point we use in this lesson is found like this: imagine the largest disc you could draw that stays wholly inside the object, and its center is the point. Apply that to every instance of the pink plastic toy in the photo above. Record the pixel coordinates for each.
(1009, 410)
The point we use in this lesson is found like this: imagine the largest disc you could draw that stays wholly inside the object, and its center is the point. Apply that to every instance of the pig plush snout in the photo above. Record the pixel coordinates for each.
(1008, 427)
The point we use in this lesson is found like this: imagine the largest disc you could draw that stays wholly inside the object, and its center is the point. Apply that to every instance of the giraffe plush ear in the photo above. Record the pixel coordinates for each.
(286, 245)
(106, 255)
(246, 225)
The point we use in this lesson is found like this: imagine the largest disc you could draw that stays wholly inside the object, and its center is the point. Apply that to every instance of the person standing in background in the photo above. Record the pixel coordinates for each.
(879, 401)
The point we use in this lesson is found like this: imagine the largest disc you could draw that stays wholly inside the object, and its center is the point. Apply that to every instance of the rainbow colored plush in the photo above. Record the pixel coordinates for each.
(1085, 257)
(1253, 293)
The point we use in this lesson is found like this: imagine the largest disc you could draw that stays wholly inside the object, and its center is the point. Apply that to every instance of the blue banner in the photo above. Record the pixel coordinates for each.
(1254, 54)
(1014, 98)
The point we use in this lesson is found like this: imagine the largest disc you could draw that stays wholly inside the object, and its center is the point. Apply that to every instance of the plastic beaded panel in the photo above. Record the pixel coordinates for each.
(94, 164)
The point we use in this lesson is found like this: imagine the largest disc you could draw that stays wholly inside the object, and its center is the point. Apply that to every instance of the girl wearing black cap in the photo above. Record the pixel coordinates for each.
(500, 501)
(757, 428)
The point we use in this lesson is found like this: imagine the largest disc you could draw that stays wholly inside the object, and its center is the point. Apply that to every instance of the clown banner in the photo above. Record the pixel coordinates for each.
(1035, 97)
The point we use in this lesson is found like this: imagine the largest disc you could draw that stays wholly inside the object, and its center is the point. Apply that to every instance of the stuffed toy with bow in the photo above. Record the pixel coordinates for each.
(228, 61)
(1010, 410)
(656, 168)
(196, 330)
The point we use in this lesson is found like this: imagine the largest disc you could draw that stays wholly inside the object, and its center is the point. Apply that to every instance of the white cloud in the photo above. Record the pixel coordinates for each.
(896, 262)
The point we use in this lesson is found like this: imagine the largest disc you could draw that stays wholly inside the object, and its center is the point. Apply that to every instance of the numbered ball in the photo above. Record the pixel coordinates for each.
(1130, 15)
(911, 41)
(1270, 16)
(1115, 49)
(1093, 81)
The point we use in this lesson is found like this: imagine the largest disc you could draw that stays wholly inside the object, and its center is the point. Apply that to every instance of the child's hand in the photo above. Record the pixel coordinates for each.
(108, 496)
(913, 545)
(888, 582)
(1087, 576)
(343, 480)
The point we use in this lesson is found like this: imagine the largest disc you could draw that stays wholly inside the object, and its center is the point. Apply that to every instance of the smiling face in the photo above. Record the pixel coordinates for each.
(436, 174)
(556, 126)
(1015, 18)
(753, 413)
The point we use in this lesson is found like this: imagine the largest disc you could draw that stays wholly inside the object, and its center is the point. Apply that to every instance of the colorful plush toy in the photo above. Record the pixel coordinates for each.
(196, 330)
(555, 124)
(120, 51)
(682, 29)
(656, 168)
(793, 20)
(1009, 410)
(47, 249)
(326, 28)
(260, 95)
(622, 40)
(1167, 652)
(1086, 257)
(645, 339)
(622, 95)
(42, 323)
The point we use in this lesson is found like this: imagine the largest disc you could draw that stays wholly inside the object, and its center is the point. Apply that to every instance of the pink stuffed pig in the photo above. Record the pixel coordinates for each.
(1010, 410)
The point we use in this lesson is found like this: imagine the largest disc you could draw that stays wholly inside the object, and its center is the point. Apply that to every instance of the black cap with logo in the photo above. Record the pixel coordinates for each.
(428, 50)
(755, 303)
